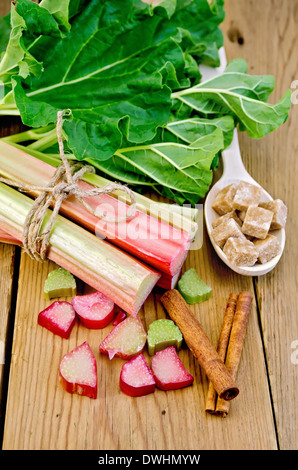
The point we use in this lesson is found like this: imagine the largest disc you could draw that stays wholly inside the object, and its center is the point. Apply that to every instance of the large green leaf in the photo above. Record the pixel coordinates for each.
(115, 70)
(167, 167)
(110, 71)
(242, 96)
(190, 130)
(27, 21)
(201, 19)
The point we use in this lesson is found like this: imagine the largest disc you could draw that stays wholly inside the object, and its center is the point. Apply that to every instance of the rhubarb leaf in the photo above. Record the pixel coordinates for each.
(201, 18)
(38, 19)
(167, 167)
(110, 89)
(17, 58)
(28, 20)
(4, 33)
(242, 96)
(115, 70)
(189, 130)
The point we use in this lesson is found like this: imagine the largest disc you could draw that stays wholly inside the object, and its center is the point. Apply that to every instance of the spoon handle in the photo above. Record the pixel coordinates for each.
(232, 161)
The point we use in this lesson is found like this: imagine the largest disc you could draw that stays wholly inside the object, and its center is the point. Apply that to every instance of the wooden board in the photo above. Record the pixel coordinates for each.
(48, 418)
(40, 415)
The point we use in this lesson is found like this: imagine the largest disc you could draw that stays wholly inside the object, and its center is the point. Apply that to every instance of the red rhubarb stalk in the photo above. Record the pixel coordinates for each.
(166, 281)
(119, 318)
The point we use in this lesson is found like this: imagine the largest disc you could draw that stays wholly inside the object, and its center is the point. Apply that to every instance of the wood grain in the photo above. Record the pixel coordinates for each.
(41, 415)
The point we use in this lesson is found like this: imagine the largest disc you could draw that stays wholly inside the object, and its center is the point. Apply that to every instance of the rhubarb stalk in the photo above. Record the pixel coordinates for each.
(154, 242)
(180, 217)
(99, 264)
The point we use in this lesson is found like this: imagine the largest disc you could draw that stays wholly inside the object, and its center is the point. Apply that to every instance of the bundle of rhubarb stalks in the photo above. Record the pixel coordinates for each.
(124, 260)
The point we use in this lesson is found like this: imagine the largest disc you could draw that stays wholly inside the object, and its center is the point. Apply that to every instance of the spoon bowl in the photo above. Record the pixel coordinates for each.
(234, 172)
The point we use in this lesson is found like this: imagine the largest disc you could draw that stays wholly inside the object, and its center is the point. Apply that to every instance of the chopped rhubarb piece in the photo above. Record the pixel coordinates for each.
(192, 288)
(162, 334)
(60, 283)
(168, 371)
(58, 318)
(125, 340)
(119, 318)
(78, 371)
(136, 378)
(95, 310)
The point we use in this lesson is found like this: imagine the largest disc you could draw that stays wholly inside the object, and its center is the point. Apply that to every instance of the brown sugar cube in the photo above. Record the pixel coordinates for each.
(240, 252)
(279, 210)
(228, 228)
(267, 248)
(246, 195)
(257, 222)
(224, 199)
(229, 215)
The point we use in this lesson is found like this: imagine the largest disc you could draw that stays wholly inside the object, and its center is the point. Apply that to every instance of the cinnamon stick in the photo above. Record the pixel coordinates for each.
(222, 347)
(235, 346)
(199, 344)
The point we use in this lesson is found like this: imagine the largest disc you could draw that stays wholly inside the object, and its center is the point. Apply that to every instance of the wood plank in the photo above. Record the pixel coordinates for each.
(7, 258)
(270, 45)
(46, 417)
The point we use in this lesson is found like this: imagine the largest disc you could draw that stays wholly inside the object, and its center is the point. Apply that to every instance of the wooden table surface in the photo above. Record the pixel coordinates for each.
(36, 413)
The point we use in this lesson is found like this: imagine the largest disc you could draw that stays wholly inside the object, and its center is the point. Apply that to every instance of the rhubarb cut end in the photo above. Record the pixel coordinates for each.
(136, 378)
(78, 371)
(144, 291)
(168, 371)
(125, 340)
(95, 310)
(59, 318)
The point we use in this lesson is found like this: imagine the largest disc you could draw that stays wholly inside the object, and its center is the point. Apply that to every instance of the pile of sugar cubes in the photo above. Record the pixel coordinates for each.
(244, 227)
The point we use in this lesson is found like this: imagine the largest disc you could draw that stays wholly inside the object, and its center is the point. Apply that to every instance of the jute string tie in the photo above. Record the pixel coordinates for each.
(63, 184)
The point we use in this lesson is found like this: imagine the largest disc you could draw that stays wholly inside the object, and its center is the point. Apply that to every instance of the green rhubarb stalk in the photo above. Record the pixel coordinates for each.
(104, 267)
